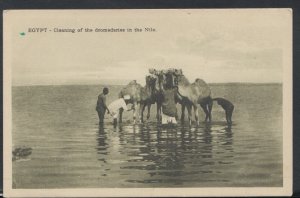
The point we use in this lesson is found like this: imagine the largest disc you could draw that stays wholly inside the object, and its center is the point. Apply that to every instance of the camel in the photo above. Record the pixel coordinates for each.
(158, 91)
(148, 96)
(190, 94)
(140, 97)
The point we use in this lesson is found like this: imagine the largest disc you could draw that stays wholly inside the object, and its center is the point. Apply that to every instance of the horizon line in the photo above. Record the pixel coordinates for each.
(92, 84)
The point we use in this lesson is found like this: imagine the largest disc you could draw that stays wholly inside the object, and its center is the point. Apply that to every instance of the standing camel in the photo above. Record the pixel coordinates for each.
(140, 97)
(190, 94)
(148, 96)
(158, 91)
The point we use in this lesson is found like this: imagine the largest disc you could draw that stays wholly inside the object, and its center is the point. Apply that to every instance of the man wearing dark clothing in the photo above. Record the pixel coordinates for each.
(169, 105)
(101, 105)
(227, 106)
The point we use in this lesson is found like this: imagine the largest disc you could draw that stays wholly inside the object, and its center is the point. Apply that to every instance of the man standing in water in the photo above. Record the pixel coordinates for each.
(101, 105)
(227, 106)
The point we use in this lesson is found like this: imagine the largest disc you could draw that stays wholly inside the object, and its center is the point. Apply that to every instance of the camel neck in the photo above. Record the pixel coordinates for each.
(149, 89)
(183, 81)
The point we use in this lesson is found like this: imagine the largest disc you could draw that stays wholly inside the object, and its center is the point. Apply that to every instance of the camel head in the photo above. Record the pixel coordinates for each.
(179, 78)
(166, 79)
(161, 80)
(151, 81)
(172, 77)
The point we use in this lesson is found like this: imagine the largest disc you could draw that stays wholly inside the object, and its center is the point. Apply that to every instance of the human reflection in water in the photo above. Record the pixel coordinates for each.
(223, 136)
(206, 147)
(228, 138)
(102, 144)
(171, 155)
(207, 133)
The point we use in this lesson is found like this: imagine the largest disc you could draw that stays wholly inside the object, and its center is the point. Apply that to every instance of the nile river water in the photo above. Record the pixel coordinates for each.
(70, 150)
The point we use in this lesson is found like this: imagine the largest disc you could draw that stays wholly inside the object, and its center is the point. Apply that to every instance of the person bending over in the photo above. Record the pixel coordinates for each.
(116, 105)
(227, 106)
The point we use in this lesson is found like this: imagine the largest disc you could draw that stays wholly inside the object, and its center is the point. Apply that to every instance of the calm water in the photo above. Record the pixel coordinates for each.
(70, 150)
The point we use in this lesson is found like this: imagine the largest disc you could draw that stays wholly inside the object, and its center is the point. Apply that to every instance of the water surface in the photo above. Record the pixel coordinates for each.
(70, 149)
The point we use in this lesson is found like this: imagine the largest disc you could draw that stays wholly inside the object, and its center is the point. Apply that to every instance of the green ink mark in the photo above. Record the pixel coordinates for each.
(22, 33)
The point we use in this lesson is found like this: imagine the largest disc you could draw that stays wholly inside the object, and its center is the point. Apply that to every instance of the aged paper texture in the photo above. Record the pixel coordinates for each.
(188, 102)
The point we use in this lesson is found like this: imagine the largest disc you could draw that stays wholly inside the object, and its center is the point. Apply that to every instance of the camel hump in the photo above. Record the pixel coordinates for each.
(133, 89)
(133, 82)
(200, 82)
(195, 91)
(201, 88)
(133, 85)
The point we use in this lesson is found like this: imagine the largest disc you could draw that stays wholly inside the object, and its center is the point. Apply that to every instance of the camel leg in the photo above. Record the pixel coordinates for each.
(204, 107)
(189, 108)
(120, 115)
(176, 115)
(148, 113)
(182, 112)
(142, 108)
(209, 105)
(196, 114)
(134, 112)
(138, 112)
(158, 112)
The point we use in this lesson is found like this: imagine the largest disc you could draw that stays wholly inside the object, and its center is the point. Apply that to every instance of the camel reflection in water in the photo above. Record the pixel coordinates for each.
(149, 153)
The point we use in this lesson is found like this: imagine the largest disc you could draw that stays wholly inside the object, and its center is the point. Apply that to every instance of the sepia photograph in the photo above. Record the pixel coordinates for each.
(186, 102)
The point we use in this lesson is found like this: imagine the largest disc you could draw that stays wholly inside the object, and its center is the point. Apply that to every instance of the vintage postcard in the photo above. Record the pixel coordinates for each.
(109, 103)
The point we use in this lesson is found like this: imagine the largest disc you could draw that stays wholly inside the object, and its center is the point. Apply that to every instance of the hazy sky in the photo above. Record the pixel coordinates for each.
(215, 45)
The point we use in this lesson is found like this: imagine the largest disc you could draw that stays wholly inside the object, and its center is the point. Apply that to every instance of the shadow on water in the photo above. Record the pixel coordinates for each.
(168, 155)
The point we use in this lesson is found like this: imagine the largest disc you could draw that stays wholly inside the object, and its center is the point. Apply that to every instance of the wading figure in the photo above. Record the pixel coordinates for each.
(227, 106)
(164, 99)
(115, 107)
(191, 94)
(140, 97)
(101, 106)
(133, 89)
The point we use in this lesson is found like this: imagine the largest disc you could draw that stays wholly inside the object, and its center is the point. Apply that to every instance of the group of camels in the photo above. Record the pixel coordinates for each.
(188, 95)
